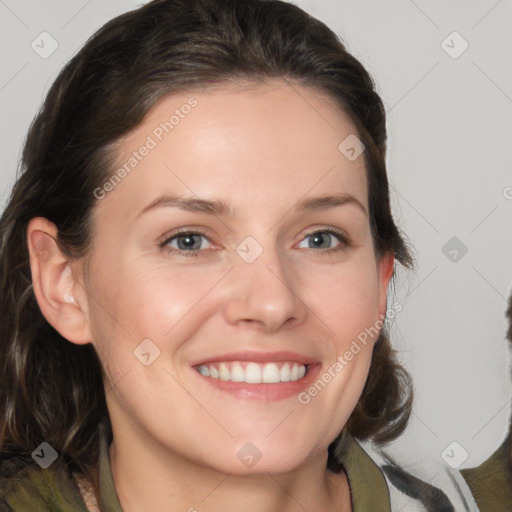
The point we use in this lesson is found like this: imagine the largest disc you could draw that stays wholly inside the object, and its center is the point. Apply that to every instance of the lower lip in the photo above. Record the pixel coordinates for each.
(268, 392)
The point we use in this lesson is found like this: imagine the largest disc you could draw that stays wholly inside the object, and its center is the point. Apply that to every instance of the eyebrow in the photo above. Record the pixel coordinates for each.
(220, 208)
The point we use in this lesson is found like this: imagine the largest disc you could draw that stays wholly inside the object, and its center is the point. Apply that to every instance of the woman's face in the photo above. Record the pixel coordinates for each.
(187, 327)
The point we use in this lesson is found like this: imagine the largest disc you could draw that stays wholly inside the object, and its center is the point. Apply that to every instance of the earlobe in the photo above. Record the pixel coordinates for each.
(54, 285)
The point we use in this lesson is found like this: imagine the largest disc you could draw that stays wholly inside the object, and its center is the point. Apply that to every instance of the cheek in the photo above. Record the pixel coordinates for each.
(168, 302)
(166, 306)
(345, 298)
(146, 300)
(170, 305)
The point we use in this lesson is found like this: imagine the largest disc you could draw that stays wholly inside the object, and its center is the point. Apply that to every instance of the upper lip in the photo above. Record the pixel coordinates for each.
(262, 357)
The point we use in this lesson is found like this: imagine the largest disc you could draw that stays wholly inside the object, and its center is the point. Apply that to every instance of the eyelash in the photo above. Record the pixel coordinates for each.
(343, 239)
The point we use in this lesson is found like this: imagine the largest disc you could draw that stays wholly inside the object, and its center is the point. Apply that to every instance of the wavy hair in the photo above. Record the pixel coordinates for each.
(52, 390)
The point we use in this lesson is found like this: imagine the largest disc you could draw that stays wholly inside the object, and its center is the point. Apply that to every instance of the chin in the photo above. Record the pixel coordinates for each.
(275, 463)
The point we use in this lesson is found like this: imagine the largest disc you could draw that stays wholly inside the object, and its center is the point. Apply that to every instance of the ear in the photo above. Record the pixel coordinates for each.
(60, 297)
(385, 267)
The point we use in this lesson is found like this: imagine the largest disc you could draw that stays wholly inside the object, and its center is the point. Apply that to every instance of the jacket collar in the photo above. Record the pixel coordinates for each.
(368, 487)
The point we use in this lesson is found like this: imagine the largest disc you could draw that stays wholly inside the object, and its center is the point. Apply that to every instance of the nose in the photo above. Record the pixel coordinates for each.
(265, 294)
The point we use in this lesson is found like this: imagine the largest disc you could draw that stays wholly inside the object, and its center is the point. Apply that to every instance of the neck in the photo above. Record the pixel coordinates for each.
(150, 477)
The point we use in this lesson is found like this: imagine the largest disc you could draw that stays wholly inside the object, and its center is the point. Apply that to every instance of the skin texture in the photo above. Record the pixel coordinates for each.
(261, 148)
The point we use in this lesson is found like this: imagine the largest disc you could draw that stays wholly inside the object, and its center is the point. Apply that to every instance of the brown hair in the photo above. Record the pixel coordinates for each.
(52, 389)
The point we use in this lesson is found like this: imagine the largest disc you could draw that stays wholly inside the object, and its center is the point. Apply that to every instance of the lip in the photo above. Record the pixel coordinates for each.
(258, 357)
(262, 392)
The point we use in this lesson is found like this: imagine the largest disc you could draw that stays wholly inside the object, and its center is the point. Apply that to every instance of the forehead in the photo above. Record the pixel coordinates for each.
(262, 143)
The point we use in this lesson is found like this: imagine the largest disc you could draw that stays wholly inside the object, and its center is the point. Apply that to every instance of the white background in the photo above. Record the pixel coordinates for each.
(449, 163)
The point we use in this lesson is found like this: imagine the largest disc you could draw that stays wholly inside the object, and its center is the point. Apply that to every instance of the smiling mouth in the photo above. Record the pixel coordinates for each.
(254, 373)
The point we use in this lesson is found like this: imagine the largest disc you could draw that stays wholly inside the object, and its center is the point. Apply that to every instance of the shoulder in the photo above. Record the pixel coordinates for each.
(423, 487)
(35, 488)
(379, 486)
(491, 482)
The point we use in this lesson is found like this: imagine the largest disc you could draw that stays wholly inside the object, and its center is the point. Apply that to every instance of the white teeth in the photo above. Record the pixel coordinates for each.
(223, 372)
(213, 372)
(237, 373)
(271, 374)
(285, 373)
(254, 373)
(203, 370)
(295, 372)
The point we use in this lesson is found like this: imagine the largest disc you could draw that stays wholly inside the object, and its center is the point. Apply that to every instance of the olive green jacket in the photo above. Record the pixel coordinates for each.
(491, 482)
(372, 489)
